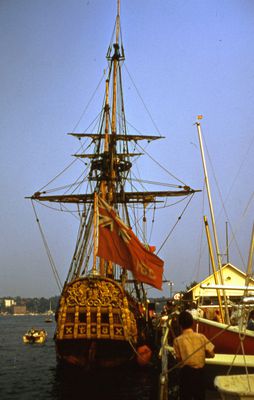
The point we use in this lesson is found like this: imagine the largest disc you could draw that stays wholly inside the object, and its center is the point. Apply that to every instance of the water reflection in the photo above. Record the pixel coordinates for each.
(124, 384)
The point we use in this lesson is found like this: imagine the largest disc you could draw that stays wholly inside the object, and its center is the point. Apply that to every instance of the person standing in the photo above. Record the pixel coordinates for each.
(191, 349)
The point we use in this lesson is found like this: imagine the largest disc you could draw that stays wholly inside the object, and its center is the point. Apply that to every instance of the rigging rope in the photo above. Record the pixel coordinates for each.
(72, 212)
(62, 172)
(51, 261)
(171, 185)
(89, 102)
(152, 222)
(223, 202)
(148, 112)
(57, 176)
(241, 165)
(178, 219)
(161, 166)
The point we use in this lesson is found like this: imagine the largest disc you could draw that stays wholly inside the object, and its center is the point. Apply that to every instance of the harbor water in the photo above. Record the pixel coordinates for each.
(30, 371)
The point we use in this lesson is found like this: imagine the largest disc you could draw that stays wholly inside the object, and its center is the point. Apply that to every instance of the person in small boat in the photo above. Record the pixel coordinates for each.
(250, 324)
(191, 349)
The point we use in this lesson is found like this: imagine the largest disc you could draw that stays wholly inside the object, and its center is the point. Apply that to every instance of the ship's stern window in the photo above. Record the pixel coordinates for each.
(82, 317)
(70, 317)
(116, 319)
(104, 318)
(93, 317)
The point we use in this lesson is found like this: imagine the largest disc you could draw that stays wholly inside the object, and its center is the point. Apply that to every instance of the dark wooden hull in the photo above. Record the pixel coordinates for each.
(99, 324)
(91, 354)
(226, 341)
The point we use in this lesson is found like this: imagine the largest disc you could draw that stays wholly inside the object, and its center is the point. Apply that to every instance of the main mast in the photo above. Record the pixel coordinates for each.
(109, 167)
(112, 150)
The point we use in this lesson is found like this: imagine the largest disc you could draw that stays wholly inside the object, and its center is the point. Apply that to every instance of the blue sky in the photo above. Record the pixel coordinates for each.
(186, 58)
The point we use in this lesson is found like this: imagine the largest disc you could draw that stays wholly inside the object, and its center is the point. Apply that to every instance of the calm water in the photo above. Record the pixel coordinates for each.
(31, 372)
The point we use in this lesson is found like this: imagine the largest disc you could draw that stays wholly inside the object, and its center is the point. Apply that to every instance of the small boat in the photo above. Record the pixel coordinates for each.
(226, 338)
(232, 387)
(50, 313)
(35, 336)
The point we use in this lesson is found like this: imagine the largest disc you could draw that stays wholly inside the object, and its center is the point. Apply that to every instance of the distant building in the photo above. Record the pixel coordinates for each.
(19, 310)
(9, 303)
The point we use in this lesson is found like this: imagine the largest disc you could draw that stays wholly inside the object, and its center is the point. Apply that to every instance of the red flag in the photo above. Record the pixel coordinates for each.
(117, 243)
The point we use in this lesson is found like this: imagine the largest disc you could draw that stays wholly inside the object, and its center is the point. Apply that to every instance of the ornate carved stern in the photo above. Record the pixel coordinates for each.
(95, 308)
(95, 321)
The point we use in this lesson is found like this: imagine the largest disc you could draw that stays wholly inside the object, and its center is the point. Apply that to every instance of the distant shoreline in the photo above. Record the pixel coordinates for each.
(22, 315)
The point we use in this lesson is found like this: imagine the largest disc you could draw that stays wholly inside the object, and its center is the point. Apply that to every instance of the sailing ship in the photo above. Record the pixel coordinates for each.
(102, 318)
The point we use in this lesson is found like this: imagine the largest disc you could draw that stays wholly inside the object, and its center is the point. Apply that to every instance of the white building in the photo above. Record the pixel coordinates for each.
(232, 276)
(9, 303)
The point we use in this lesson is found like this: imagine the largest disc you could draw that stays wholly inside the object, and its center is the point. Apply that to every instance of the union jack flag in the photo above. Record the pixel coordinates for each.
(118, 243)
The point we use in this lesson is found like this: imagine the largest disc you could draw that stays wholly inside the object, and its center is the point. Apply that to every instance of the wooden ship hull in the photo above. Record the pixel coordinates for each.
(97, 324)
